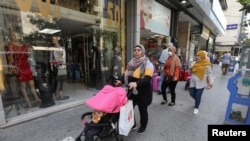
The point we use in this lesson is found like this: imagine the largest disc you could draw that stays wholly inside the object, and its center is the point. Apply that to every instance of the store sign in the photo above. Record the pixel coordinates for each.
(44, 8)
(232, 26)
(115, 11)
(155, 17)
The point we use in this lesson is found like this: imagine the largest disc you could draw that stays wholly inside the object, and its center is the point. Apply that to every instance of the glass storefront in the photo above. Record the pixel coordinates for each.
(49, 47)
(155, 22)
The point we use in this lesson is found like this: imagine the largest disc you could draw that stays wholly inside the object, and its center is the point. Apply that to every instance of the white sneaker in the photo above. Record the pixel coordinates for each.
(196, 111)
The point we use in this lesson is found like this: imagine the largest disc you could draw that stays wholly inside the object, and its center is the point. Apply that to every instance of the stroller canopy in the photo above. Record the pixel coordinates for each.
(109, 99)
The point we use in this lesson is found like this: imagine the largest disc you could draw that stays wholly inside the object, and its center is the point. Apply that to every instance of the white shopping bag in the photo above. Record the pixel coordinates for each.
(126, 120)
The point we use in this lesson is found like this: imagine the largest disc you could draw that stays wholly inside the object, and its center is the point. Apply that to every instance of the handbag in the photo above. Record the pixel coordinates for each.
(167, 79)
(126, 119)
(62, 72)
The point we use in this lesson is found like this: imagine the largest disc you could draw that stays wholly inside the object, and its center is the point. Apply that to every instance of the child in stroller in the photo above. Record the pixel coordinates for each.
(102, 122)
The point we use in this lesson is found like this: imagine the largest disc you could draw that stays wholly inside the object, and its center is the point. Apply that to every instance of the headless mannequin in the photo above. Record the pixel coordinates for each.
(19, 61)
(58, 59)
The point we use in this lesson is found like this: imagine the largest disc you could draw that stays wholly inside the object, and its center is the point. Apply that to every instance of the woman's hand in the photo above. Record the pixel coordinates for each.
(209, 86)
(175, 79)
(132, 85)
(117, 83)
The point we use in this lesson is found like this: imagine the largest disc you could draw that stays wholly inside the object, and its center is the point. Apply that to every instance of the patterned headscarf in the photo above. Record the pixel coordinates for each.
(199, 67)
(135, 63)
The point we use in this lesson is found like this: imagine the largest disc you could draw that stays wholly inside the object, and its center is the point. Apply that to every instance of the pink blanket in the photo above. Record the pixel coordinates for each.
(109, 99)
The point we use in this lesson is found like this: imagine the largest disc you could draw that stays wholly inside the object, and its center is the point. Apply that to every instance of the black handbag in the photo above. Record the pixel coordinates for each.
(168, 79)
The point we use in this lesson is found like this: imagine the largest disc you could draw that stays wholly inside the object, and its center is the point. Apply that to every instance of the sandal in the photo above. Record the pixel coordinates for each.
(164, 102)
(171, 104)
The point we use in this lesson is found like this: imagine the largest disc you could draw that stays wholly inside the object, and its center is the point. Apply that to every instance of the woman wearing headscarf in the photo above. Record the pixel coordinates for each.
(137, 77)
(201, 77)
(172, 70)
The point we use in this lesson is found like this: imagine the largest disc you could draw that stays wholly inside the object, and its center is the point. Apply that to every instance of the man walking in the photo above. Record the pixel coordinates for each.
(226, 60)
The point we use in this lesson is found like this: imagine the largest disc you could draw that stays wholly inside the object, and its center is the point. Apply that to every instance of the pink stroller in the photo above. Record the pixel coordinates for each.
(108, 101)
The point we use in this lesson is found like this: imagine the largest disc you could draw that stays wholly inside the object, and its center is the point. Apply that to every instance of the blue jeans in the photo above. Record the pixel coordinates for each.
(160, 80)
(196, 95)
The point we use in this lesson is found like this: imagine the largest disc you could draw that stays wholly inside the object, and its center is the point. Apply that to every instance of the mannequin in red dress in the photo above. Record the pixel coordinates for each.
(18, 58)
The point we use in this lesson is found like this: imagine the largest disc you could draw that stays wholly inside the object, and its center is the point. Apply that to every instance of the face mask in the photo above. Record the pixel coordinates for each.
(170, 53)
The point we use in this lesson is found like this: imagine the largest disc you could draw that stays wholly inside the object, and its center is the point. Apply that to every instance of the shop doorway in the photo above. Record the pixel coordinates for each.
(84, 58)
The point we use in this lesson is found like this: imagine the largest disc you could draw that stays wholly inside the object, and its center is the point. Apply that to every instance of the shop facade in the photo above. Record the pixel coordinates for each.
(152, 25)
(197, 26)
(54, 41)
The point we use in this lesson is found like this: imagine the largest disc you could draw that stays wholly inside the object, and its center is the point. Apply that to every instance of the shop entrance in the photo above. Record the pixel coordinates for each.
(84, 57)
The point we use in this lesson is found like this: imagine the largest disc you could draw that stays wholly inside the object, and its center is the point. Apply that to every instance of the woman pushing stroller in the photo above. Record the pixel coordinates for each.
(137, 77)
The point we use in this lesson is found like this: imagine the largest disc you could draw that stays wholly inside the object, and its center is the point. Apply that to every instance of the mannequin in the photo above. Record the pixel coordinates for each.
(57, 61)
(18, 59)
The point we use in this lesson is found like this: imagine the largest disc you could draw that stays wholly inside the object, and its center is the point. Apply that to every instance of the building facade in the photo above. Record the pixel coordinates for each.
(230, 42)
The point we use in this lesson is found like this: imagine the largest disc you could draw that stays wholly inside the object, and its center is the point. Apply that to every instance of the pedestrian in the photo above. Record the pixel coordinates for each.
(226, 60)
(164, 56)
(201, 77)
(138, 77)
(172, 69)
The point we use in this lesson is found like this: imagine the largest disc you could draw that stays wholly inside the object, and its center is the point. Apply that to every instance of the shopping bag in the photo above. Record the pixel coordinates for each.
(126, 119)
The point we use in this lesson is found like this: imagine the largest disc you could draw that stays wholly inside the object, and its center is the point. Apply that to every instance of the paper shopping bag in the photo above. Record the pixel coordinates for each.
(126, 119)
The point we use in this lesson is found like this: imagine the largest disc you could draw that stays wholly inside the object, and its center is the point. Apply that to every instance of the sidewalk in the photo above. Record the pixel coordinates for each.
(177, 123)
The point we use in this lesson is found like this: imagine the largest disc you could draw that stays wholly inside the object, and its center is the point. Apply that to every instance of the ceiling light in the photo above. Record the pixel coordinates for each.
(49, 31)
(183, 1)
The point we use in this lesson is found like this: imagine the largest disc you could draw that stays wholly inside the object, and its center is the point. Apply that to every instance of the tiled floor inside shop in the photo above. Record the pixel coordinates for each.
(75, 91)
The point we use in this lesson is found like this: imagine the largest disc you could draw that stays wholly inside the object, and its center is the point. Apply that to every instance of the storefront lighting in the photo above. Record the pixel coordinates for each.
(49, 31)
(183, 1)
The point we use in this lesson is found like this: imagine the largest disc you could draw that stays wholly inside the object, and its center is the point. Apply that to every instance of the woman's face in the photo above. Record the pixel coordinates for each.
(14, 36)
(198, 57)
(137, 52)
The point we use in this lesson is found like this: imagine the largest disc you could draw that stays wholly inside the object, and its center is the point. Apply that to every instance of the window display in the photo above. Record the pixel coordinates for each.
(53, 54)
(18, 59)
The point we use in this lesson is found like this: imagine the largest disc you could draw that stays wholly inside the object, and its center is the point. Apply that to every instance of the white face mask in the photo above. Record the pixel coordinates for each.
(170, 53)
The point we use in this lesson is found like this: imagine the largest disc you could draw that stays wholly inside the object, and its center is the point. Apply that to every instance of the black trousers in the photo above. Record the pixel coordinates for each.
(172, 86)
(143, 111)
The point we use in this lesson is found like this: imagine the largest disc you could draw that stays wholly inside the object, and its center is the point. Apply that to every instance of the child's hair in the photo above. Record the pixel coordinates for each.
(97, 115)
